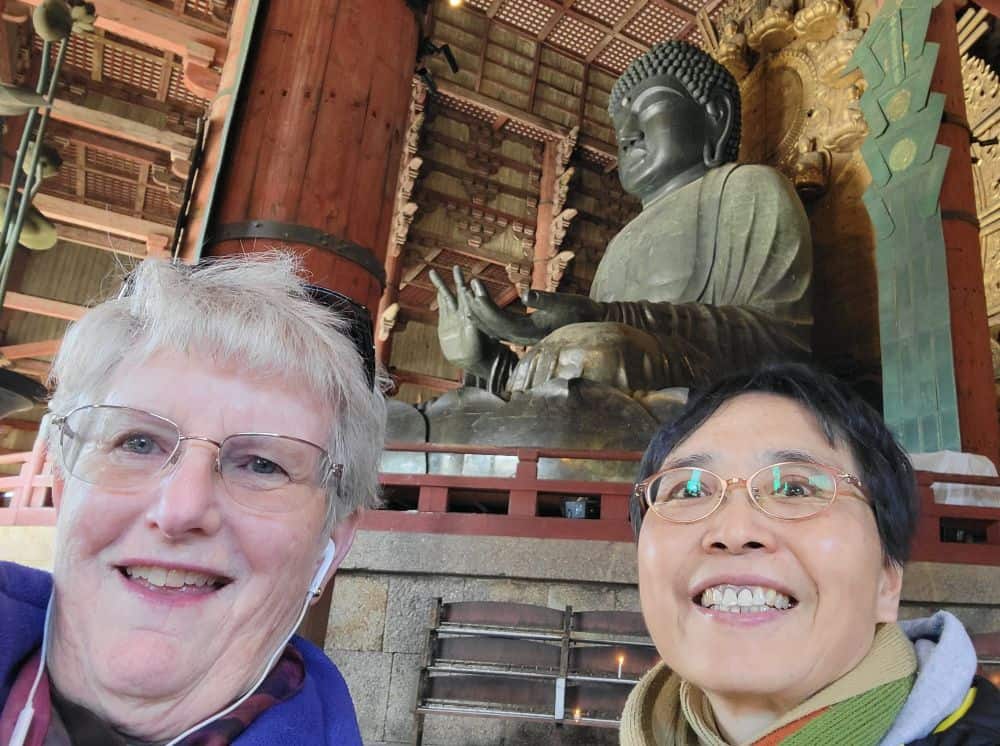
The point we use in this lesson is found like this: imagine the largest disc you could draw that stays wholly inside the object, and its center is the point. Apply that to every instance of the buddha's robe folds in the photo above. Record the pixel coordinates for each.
(718, 272)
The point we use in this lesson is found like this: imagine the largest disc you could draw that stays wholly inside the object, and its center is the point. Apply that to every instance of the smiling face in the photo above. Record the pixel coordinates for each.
(661, 135)
(170, 600)
(828, 570)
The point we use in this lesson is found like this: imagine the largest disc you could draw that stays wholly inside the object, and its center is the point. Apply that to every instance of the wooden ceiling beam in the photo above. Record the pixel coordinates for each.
(201, 51)
(99, 239)
(111, 145)
(86, 216)
(498, 108)
(37, 368)
(158, 28)
(179, 146)
(423, 379)
(420, 315)
(45, 348)
(55, 309)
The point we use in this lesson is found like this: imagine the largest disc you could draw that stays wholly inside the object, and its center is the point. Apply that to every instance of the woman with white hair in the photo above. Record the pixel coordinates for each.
(217, 429)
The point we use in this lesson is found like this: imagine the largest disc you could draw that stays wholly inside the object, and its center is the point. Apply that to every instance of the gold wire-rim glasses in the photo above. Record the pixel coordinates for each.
(642, 489)
(331, 470)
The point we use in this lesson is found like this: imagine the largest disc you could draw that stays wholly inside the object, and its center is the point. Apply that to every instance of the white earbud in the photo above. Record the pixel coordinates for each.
(316, 586)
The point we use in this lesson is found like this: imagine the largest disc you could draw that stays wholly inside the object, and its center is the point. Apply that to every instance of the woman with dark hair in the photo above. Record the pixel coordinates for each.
(773, 519)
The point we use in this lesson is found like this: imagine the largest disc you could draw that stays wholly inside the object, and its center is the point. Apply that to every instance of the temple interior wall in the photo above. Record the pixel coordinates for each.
(383, 595)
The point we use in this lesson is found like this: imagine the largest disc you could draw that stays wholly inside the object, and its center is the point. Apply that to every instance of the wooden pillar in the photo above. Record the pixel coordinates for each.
(546, 213)
(980, 432)
(313, 159)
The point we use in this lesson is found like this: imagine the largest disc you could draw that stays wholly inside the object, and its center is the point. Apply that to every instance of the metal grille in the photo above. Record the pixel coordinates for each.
(528, 15)
(111, 191)
(158, 205)
(574, 35)
(606, 11)
(102, 161)
(617, 55)
(139, 71)
(654, 24)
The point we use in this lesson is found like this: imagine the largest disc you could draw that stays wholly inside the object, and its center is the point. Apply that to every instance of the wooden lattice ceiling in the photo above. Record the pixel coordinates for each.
(608, 33)
(127, 111)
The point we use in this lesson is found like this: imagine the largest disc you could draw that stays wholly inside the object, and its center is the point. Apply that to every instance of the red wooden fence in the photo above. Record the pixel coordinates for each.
(444, 504)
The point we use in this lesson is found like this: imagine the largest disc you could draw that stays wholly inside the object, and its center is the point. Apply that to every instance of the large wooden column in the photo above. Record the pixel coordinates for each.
(970, 336)
(313, 159)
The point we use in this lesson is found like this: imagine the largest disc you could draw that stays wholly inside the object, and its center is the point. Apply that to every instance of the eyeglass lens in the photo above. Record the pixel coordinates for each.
(122, 448)
(789, 490)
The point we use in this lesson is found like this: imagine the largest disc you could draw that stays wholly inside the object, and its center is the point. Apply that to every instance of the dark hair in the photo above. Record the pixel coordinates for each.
(885, 469)
(697, 72)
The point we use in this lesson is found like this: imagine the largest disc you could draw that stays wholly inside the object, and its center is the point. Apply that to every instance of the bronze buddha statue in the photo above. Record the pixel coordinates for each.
(713, 274)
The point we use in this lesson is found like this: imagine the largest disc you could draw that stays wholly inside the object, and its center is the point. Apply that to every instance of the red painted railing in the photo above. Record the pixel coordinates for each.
(527, 505)
(27, 499)
(442, 501)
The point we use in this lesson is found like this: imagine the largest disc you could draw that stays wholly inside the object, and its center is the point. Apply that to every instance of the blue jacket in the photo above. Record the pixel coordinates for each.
(322, 713)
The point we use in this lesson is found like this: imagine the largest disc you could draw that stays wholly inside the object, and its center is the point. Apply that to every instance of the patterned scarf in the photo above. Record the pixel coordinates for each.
(859, 708)
(63, 722)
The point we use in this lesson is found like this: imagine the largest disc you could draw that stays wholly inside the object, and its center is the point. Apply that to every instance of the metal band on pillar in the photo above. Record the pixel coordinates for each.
(302, 234)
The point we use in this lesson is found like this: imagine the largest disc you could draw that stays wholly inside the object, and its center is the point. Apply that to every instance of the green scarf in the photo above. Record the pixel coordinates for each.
(859, 708)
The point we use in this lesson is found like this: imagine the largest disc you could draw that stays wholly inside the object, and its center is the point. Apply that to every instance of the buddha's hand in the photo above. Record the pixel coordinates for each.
(463, 343)
(551, 311)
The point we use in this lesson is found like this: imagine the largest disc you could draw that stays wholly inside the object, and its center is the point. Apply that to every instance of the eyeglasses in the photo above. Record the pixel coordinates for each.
(789, 491)
(359, 328)
(126, 449)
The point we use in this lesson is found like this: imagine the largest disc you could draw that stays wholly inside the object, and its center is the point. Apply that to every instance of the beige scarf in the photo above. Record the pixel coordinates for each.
(663, 710)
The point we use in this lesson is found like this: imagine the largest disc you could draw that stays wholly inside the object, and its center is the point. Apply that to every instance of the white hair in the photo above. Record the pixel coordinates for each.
(252, 309)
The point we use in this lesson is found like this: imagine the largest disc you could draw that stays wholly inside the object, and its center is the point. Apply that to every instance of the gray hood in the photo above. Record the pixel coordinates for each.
(946, 663)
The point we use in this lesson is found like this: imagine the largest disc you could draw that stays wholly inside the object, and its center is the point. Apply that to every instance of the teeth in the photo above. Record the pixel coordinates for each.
(743, 599)
(163, 578)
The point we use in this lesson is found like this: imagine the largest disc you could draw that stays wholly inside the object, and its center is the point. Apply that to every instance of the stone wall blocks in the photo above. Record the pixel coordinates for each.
(357, 613)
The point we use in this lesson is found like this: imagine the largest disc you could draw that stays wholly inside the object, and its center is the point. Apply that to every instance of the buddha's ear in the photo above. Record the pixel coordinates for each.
(718, 126)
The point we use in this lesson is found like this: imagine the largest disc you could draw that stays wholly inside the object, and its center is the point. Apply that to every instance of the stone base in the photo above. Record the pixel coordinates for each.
(383, 595)
(28, 545)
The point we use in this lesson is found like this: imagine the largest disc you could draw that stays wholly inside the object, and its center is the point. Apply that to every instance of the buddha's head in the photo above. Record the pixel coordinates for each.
(676, 113)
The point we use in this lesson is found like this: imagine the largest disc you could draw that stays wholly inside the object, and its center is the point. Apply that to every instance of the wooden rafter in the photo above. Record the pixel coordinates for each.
(158, 28)
(423, 379)
(44, 348)
(140, 192)
(81, 171)
(74, 213)
(43, 306)
(179, 146)
(97, 61)
(111, 145)
(100, 239)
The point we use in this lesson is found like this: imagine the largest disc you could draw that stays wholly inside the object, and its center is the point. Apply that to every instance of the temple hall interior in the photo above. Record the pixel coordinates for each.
(428, 157)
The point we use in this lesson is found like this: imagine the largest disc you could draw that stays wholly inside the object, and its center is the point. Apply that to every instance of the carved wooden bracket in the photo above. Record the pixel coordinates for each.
(519, 277)
(388, 321)
(556, 268)
(404, 208)
(200, 75)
